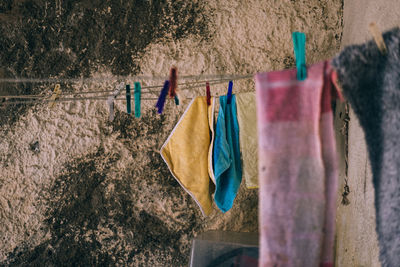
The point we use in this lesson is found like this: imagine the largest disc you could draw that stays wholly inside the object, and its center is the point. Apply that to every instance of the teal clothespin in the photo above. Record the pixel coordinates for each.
(299, 44)
(137, 96)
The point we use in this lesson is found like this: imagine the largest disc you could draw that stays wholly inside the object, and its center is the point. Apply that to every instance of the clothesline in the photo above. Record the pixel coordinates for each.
(216, 81)
(42, 99)
(71, 99)
(123, 78)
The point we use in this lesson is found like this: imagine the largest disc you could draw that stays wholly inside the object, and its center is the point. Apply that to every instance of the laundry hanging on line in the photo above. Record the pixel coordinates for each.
(227, 158)
(297, 167)
(225, 155)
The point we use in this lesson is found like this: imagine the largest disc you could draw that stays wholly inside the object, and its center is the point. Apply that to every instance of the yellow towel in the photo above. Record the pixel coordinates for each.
(186, 151)
(246, 112)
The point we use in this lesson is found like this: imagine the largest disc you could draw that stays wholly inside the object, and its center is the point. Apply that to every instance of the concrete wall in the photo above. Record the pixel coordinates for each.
(98, 193)
(356, 236)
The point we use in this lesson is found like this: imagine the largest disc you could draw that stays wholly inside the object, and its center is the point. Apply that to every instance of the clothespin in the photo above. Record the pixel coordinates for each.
(299, 45)
(335, 81)
(162, 97)
(179, 97)
(208, 93)
(176, 100)
(128, 99)
(55, 95)
(173, 85)
(376, 33)
(137, 97)
(173, 76)
(229, 94)
(110, 100)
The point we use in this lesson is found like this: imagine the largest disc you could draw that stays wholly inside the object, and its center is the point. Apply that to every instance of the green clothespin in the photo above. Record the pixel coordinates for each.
(299, 44)
(137, 96)
(176, 100)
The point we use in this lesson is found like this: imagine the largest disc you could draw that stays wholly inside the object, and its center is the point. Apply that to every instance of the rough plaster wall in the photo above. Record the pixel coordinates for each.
(98, 192)
(357, 243)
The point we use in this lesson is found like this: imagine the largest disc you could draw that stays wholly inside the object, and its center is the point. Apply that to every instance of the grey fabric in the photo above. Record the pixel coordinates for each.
(371, 83)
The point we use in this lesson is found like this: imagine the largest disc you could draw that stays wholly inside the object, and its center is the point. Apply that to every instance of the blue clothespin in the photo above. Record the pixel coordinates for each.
(137, 97)
(128, 99)
(299, 44)
(161, 98)
(229, 94)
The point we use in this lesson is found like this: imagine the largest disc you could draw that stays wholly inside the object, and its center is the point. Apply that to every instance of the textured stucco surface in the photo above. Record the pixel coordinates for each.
(98, 192)
(357, 243)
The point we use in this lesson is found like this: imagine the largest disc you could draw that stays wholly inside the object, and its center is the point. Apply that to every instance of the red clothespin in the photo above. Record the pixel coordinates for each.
(208, 92)
(173, 76)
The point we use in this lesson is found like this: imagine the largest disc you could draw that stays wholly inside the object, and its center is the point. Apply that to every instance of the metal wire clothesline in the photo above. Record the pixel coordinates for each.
(143, 87)
(41, 98)
(137, 78)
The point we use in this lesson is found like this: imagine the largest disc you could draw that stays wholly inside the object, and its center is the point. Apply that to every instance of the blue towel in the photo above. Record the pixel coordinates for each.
(226, 155)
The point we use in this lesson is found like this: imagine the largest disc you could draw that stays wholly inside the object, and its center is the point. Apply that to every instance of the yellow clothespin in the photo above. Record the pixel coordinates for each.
(55, 95)
(376, 33)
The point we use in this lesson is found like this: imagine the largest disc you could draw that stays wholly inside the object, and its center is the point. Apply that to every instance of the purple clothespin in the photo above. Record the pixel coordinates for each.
(162, 97)
(229, 94)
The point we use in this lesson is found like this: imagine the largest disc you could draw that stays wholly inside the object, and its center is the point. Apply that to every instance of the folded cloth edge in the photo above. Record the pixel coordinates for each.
(169, 168)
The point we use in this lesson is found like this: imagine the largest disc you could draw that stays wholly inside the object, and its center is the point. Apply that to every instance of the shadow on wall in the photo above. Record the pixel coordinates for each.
(76, 38)
(96, 218)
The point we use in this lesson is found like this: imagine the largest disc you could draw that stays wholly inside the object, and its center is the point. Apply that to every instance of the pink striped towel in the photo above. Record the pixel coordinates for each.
(297, 167)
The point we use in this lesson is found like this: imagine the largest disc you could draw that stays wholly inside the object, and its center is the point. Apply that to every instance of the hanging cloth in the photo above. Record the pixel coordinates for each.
(186, 151)
(297, 168)
(247, 119)
(227, 164)
(371, 83)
